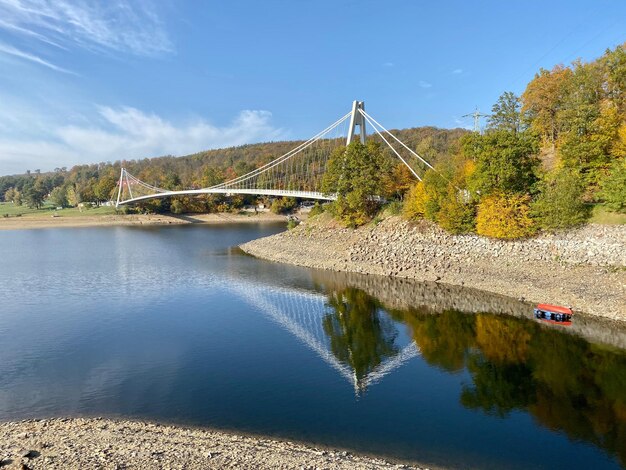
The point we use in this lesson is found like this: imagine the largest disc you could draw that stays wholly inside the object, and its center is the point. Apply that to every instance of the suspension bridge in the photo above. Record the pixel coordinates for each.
(298, 173)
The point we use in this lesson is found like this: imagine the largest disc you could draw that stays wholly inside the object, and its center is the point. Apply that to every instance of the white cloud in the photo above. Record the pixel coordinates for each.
(457, 71)
(128, 133)
(388, 64)
(10, 50)
(424, 84)
(92, 24)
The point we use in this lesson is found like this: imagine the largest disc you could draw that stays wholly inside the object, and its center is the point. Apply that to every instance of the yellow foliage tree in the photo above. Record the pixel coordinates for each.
(415, 201)
(619, 146)
(504, 216)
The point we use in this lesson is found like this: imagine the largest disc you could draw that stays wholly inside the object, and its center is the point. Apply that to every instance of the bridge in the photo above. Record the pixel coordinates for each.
(298, 173)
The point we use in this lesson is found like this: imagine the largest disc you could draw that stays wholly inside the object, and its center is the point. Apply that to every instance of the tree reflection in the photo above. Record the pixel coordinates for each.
(566, 383)
(360, 335)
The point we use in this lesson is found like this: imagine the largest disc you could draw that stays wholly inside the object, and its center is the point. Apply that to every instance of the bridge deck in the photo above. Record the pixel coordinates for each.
(257, 192)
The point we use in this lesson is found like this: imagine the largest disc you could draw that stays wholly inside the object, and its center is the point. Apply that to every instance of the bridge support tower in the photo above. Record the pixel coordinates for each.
(357, 119)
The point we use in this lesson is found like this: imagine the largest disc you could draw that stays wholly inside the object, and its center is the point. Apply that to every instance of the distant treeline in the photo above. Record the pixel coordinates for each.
(97, 183)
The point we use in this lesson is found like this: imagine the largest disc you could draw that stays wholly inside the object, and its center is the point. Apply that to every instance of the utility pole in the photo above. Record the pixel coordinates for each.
(476, 115)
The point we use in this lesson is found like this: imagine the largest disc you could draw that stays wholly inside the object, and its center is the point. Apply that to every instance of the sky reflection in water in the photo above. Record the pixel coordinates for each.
(171, 324)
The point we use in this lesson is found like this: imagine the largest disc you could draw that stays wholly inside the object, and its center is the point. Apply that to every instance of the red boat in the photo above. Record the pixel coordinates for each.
(554, 314)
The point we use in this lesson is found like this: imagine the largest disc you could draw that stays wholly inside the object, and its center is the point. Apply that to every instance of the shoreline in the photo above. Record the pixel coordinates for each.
(40, 222)
(584, 268)
(59, 443)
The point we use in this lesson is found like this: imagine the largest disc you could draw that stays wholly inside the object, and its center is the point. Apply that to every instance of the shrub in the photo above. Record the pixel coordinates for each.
(394, 208)
(560, 202)
(504, 216)
(456, 215)
(316, 209)
(283, 205)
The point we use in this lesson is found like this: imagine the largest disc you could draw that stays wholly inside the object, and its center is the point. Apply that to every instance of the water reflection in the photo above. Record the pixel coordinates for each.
(360, 335)
(170, 324)
(566, 383)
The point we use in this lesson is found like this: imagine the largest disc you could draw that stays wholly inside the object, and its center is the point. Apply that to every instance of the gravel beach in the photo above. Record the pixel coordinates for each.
(83, 443)
(583, 268)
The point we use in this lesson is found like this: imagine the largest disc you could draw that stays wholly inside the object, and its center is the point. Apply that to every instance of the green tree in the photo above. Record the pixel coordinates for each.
(560, 202)
(505, 162)
(613, 187)
(35, 193)
(506, 113)
(356, 174)
(58, 196)
(359, 334)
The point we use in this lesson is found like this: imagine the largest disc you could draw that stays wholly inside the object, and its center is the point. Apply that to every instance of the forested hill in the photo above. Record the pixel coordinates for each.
(96, 182)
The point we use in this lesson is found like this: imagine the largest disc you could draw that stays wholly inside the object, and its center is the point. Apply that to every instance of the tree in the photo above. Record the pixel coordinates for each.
(9, 195)
(505, 114)
(73, 198)
(504, 216)
(34, 194)
(456, 215)
(58, 196)
(103, 189)
(356, 174)
(560, 202)
(542, 101)
(613, 187)
(282, 205)
(505, 161)
(398, 181)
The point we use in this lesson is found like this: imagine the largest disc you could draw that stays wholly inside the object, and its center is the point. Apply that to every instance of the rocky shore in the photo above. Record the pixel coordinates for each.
(83, 443)
(583, 268)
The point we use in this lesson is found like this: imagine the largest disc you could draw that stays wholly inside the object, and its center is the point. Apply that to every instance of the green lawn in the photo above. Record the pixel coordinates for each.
(24, 211)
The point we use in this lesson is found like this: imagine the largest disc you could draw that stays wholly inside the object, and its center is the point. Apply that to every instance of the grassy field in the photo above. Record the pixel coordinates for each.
(8, 209)
(600, 215)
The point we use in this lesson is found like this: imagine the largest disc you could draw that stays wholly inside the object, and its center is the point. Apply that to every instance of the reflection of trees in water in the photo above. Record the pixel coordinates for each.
(566, 383)
(359, 335)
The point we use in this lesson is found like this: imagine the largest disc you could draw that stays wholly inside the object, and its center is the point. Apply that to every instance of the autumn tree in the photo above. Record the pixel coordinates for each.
(505, 216)
(542, 101)
(505, 113)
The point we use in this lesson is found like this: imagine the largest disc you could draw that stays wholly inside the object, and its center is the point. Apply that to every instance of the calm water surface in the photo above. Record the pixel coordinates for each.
(174, 324)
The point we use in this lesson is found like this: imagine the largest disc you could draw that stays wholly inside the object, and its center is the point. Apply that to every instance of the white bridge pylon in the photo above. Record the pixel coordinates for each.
(297, 173)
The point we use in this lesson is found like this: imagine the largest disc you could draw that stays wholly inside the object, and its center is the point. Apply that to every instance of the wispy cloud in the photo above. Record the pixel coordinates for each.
(10, 50)
(457, 71)
(120, 26)
(388, 64)
(424, 84)
(127, 133)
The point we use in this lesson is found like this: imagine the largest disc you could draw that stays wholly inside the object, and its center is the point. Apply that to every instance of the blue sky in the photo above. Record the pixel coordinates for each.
(88, 81)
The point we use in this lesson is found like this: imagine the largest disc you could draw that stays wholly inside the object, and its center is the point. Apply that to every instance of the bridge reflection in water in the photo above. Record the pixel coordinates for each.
(348, 330)
(569, 381)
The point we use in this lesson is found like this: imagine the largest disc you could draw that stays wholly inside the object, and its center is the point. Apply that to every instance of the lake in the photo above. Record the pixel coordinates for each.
(175, 324)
